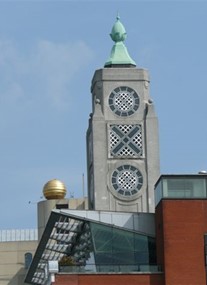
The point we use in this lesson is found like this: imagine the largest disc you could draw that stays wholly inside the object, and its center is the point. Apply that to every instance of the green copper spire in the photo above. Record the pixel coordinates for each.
(119, 54)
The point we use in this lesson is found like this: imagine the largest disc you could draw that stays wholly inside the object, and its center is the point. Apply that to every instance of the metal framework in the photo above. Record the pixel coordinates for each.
(83, 245)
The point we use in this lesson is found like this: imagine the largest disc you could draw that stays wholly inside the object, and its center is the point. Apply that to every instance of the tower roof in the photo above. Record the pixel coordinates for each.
(119, 55)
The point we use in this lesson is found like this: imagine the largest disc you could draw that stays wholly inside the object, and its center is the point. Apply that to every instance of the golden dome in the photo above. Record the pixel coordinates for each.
(54, 189)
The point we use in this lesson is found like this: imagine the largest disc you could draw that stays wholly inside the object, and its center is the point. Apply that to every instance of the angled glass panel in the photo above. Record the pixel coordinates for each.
(123, 241)
(102, 237)
(114, 246)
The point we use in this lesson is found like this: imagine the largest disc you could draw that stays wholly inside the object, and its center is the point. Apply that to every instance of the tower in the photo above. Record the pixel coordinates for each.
(122, 137)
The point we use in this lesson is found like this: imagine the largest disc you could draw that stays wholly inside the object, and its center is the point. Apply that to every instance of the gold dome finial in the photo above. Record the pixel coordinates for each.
(54, 189)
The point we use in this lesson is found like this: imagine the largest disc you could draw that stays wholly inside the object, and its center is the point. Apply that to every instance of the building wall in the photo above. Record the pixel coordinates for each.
(180, 227)
(109, 279)
(12, 261)
(109, 124)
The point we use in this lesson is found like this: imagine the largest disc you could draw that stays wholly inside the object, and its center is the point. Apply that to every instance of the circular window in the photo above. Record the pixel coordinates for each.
(127, 180)
(123, 101)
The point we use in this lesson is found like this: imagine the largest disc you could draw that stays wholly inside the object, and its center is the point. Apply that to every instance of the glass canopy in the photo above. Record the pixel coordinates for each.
(83, 245)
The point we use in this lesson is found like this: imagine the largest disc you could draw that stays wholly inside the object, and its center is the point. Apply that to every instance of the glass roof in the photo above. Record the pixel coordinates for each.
(83, 245)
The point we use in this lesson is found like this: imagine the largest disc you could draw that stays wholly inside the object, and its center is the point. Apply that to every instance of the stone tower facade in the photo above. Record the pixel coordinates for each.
(122, 137)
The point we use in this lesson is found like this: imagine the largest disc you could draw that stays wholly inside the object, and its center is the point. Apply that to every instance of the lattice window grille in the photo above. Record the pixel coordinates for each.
(124, 101)
(126, 141)
(127, 180)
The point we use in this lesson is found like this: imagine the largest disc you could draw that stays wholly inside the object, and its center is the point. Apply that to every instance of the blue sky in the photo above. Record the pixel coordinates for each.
(49, 51)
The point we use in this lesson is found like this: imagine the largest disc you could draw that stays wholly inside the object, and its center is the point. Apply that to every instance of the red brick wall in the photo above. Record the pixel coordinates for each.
(159, 235)
(109, 279)
(180, 226)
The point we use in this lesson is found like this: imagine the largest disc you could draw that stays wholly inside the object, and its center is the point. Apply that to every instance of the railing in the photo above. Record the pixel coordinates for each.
(18, 235)
(94, 268)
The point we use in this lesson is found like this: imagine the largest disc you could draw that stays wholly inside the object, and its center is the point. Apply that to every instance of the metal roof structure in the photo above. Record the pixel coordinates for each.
(85, 245)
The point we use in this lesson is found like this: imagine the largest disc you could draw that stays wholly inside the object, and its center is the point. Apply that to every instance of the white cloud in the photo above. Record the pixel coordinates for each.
(56, 65)
(41, 73)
